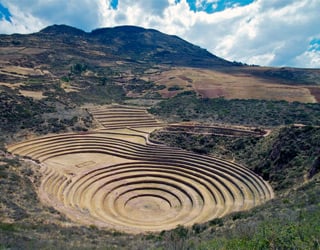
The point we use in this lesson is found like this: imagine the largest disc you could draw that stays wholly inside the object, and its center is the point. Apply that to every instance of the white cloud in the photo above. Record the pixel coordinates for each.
(21, 22)
(201, 5)
(260, 33)
(308, 59)
(265, 32)
(78, 13)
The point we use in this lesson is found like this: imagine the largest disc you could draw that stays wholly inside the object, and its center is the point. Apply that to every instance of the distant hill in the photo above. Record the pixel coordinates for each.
(153, 46)
(139, 44)
(127, 61)
(62, 29)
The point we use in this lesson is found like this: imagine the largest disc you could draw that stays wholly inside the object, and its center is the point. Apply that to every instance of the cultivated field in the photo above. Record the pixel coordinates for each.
(233, 85)
(115, 177)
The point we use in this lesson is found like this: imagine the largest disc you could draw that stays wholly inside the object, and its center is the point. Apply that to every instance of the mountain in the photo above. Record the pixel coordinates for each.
(62, 29)
(138, 44)
(143, 63)
(153, 46)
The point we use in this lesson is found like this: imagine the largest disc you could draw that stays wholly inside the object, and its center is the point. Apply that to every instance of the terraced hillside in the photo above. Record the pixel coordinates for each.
(114, 177)
(116, 117)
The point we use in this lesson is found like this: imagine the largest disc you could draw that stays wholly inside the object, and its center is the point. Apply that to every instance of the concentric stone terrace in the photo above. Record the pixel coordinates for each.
(116, 116)
(119, 180)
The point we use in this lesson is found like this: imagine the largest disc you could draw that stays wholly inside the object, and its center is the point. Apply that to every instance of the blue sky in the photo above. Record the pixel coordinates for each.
(263, 32)
(207, 6)
(215, 6)
(4, 13)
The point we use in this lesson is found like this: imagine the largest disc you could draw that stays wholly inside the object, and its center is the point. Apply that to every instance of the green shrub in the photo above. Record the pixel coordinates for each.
(175, 88)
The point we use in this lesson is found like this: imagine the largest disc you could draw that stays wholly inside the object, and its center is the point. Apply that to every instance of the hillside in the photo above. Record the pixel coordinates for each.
(128, 138)
(134, 62)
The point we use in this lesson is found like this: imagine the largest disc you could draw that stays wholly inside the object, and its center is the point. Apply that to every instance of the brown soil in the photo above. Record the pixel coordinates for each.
(232, 85)
(315, 91)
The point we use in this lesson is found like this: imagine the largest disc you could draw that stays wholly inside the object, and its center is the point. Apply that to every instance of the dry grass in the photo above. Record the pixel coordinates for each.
(38, 95)
(21, 71)
(9, 50)
(12, 85)
(315, 91)
(213, 84)
(67, 87)
(20, 50)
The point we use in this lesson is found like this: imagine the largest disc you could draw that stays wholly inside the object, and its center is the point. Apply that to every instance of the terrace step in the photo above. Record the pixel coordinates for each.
(150, 187)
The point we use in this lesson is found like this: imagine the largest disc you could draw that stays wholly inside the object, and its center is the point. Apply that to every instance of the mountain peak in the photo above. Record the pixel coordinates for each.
(124, 28)
(140, 44)
(152, 45)
(59, 29)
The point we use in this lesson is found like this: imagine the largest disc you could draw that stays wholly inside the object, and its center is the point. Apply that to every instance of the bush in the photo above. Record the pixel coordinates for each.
(175, 88)
(244, 112)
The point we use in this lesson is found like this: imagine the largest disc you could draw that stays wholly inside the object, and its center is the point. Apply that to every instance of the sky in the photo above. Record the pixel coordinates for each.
(263, 32)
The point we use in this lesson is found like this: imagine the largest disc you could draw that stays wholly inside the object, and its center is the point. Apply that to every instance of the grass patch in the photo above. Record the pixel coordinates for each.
(7, 227)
